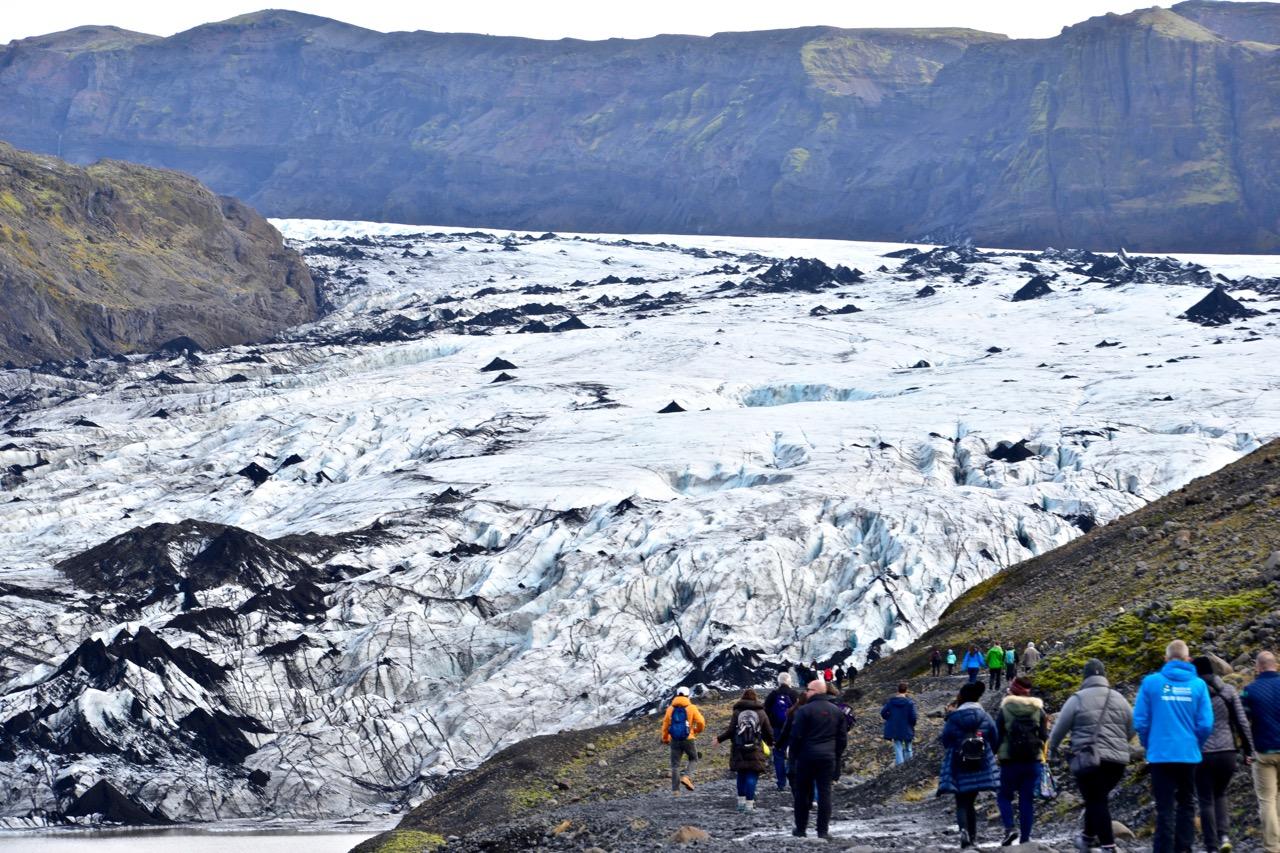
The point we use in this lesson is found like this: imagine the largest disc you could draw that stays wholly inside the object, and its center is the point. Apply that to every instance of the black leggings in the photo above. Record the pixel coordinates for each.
(1213, 775)
(1095, 787)
(967, 814)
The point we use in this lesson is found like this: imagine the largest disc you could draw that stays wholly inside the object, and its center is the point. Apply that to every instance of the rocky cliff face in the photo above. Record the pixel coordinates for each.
(116, 258)
(1151, 129)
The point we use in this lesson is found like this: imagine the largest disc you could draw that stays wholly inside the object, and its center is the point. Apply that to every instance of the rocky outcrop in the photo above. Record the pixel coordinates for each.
(116, 258)
(1150, 130)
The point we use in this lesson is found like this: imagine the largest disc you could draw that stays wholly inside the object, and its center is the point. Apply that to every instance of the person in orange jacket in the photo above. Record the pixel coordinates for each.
(681, 726)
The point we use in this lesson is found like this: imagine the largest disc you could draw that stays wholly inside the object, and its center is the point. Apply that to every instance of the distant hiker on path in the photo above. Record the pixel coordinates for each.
(1099, 722)
(777, 704)
(1220, 756)
(1031, 656)
(951, 661)
(935, 662)
(840, 676)
(818, 739)
(749, 731)
(1010, 662)
(681, 726)
(973, 663)
(1261, 701)
(828, 675)
(1173, 716)
(969, 738)
(1024, 730)
(899, 715)
(995, 663)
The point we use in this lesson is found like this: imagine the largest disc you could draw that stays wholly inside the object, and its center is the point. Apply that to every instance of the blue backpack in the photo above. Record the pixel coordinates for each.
(778, 710)
(679, 727)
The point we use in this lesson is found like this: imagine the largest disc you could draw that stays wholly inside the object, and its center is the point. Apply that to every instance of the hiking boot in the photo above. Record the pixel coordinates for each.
(1010, 838)
(687, 782)
(1225, 846)
(799, 833)
(749, 806)
(965, 841)
(675, 792)
(1085, 843)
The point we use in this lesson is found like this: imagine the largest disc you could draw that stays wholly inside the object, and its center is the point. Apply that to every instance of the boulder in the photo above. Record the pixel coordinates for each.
(690, 835)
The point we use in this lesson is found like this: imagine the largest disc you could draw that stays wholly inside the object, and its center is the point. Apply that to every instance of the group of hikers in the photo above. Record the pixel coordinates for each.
(1001, 662)
(1193, 726)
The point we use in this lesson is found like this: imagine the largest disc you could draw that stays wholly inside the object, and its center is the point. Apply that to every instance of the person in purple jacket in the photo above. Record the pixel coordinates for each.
(1173, 716)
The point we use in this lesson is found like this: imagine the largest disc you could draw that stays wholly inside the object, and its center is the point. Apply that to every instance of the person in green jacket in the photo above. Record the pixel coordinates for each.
(995, 664)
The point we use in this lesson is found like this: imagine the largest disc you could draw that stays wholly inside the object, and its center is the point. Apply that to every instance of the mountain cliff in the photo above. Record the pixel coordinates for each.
(1152, 129)
(116, 258)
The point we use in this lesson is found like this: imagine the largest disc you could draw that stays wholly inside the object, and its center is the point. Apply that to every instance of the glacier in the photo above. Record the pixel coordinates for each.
(309, 578)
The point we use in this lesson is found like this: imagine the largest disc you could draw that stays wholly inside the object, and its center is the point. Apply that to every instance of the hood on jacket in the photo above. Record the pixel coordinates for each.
(1095, 681)
(1022, 706)
(748, 705)
(1215, 682)
(1179, 671)
(899, 699)
(681, 702)
(969, 715)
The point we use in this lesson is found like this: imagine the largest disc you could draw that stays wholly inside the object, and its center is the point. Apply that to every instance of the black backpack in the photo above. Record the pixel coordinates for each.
(971, 757)
(1025, 744)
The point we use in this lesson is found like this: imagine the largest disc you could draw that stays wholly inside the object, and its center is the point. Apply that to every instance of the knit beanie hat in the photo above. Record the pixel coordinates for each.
(1093, 667)
(1020, 686)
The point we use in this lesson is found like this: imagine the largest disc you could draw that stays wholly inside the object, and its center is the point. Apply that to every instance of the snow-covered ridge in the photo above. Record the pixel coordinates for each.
(404, 564)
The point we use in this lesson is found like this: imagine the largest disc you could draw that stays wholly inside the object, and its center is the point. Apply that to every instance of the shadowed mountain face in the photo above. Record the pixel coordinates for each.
(118, 258)
(1152, 129)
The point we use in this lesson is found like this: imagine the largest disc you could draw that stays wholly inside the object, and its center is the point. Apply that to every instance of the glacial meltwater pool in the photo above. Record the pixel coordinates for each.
(178, 841)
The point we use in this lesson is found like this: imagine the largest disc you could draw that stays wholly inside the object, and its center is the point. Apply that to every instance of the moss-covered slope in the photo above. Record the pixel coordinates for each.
(117, 257)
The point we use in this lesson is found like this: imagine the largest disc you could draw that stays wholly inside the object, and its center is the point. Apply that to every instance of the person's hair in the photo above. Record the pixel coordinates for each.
(784, 679)
(971, 692)
(831, 689)
(750, 695)
(902, 687)
(1204, 666)
(973, 648)
(1176, 650)
(1267, 661)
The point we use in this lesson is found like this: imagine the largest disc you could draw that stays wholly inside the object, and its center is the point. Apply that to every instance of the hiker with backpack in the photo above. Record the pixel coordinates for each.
(935, 662)
(1024, 730)
(951, 661)
(1220, 756)
(681, 726)
(828, 675)
(1099, 722)
(969, 740)
(995, 665)
(1261, 699)
(1173, 716)
(818, 737)
(899, 715)
(751, 734)
(973, 663)
(840, 673)
(777, 704)
(1010, 662)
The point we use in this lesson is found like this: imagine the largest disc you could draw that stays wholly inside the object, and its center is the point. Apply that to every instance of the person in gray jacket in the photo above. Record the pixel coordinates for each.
(1099, 722)
(1220, 756)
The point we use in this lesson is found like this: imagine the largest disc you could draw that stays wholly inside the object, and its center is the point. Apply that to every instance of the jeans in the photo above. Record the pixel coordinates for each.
(995, 679)
(680, 749)
(967, 814)
(810, 772)
(1174, 786)
(780, 767)
(1019, 777)
(936, 665)
(747, 783)
(901, 751)
(1266, 780)
(973, 674)
(1095, 787)
(951, 669)
(1213, 775)
(1011, 671)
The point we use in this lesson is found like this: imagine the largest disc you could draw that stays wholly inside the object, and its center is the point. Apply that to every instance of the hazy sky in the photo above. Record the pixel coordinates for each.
(591, 19)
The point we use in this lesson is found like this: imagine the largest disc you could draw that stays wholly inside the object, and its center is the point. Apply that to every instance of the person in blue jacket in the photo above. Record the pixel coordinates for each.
(1173, 716)
(967, 772)
(1262, 705)
(899, 715)
(973, 663)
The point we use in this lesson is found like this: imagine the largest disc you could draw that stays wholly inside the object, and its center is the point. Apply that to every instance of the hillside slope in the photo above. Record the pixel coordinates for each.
(1202, 563)
(1151, 130)
(116, 258)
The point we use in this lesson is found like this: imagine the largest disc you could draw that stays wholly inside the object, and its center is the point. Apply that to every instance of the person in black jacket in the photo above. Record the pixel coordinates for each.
(778, 705)
(818, 737)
